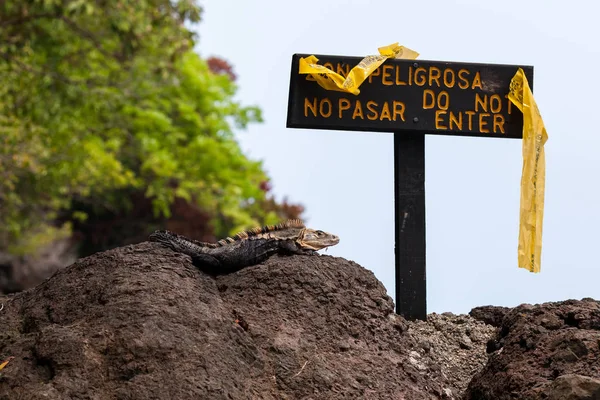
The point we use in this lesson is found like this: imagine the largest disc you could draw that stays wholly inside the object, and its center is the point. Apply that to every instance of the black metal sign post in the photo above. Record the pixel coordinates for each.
(409, 193)
(410, 98)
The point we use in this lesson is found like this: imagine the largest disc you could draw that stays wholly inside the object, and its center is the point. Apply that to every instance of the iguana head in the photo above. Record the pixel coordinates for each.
(293, 229)
(312, 239)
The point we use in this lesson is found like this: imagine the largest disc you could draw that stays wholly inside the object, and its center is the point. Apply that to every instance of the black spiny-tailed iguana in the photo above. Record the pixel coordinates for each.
(249, 247)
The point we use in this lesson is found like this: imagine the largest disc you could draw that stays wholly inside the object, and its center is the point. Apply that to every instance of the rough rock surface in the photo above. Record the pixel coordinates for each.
(546, 351)
(141, 322)
(491, 315)
(452, 344)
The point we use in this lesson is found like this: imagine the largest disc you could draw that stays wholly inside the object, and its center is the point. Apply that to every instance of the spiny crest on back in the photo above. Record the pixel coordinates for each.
(167, 237)
(291, 223)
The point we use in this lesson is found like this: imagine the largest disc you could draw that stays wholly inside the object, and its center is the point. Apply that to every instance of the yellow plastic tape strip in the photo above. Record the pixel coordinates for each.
(5, 363)
(330, 80)
(533, 176)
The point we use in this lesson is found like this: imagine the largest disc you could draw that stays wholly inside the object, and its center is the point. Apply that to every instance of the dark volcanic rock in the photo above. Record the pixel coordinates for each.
(491, 315)
(455, 344)
(574, 387)
(547, 351)
(140, 322)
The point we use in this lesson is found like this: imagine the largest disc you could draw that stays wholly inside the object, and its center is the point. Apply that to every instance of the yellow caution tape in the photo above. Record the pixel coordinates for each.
(331, 80)
(5, 363)
(534, 138)
(533, 176)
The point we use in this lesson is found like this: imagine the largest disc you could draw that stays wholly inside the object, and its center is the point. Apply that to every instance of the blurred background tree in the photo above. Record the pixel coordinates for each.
(111, 126)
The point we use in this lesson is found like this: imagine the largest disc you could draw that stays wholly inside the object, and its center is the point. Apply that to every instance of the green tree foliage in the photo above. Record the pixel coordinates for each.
(101, 98)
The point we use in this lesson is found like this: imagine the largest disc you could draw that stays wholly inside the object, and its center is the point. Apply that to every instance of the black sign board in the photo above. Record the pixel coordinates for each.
(434, 97)
(410, 98)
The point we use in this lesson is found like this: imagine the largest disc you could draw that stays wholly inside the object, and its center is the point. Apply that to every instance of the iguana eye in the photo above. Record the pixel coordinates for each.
(320, 233)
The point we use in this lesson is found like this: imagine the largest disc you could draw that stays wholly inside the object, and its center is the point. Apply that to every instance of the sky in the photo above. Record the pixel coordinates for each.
(346, 179)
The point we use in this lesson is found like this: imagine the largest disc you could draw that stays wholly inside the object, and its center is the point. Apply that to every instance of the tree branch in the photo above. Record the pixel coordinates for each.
(22, 20)
(87, 35)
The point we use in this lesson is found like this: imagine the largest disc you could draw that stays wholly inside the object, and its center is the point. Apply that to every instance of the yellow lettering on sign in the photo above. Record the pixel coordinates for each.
(480, 102)
(399, 82)
(464, 82)
(487, 115)
(374, 114)
(477, 81)
(375, 73)
(385, 112)
(344, 104)
(457, 122)
(430, 76)
(499, 123)
(357, 111)
(310, 106)
(428, 93)
(445, 98)
(449, 78)
(399, 109)
(388, 110)
(470, 115)
(509, 108)
(387, 74)
(483, 123)
(430, 100)
(434, 75)
(495, 103)
(451, 120)
(438, 119)
(420, 76)
(322, 104)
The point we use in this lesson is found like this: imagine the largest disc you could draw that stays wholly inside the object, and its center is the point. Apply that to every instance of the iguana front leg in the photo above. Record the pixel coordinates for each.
(292, 247)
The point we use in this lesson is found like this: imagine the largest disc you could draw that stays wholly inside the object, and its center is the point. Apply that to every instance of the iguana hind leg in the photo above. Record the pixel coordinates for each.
(206, 262)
